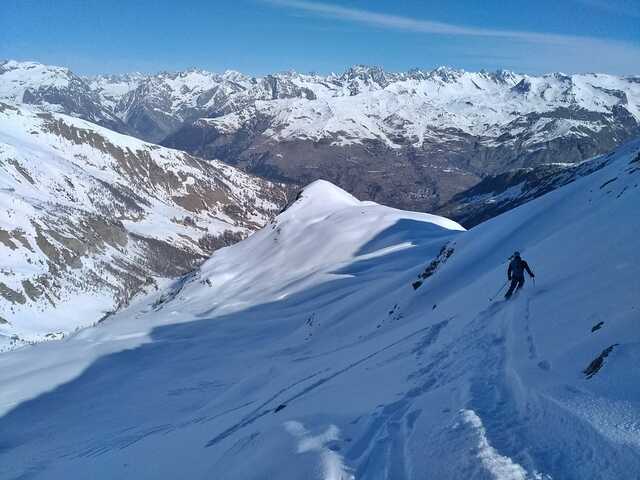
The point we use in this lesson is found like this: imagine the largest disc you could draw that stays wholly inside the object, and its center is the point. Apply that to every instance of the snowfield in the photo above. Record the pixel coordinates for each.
(351, 340)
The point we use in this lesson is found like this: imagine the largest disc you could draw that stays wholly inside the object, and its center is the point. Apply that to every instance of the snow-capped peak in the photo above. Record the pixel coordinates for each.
(17, 77)
(367, 76)
(235, 76)
(505, 76)
(446, 73)
(319, 198)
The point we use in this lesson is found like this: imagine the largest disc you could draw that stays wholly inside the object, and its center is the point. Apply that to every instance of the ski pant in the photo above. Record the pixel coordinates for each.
(516, 284)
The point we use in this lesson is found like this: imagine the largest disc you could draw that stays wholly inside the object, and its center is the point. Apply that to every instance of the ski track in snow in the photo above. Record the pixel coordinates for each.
(260, 411)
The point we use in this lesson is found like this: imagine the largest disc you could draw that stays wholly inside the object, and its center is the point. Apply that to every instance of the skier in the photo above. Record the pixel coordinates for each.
(515, 273)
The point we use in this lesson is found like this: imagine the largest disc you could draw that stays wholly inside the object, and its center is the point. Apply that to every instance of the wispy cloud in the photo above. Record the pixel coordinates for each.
(409, 24)
(595, 52)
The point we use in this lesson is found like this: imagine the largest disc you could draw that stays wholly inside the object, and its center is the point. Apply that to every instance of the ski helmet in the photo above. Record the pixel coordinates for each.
(516, 254)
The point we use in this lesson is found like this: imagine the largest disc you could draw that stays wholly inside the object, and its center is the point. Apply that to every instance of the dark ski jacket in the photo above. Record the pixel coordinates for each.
(517, 267)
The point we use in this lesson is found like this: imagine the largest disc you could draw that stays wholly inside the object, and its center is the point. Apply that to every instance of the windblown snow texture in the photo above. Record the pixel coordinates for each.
(304, 352)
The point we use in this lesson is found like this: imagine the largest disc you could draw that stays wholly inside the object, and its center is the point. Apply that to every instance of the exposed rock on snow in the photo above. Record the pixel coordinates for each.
(445, 252)
(597, 363)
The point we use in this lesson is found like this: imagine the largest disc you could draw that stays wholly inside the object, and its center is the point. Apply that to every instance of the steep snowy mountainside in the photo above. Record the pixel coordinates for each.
(89, 217)
(500, 193)
(323, 230)
(157, 105)
(351, 340)
(55, 89)
(112, 88)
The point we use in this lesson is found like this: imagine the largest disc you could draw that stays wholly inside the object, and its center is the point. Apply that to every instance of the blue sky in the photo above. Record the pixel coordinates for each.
(261, 36)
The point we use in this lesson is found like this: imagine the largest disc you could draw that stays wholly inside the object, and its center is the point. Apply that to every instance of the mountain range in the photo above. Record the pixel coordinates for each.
(415, 140)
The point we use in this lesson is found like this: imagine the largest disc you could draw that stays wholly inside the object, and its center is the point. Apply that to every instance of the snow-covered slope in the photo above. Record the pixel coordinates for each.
(88, 217)
(351, 340)
(497, 194)
(112, 88)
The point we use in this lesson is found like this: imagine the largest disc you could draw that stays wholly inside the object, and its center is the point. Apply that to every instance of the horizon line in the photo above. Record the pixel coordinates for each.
(292, 70)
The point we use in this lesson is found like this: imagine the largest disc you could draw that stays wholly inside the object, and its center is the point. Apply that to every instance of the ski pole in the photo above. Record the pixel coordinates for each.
(496, 294)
